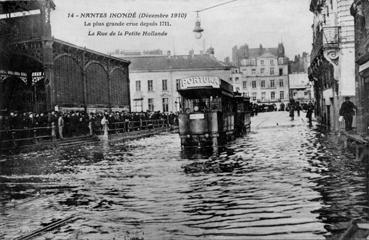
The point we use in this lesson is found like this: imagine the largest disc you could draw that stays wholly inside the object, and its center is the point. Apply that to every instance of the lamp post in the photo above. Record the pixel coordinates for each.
(198, 30)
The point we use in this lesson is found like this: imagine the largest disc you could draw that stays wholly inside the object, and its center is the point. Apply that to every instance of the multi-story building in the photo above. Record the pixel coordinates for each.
(360, 11)
(263, 73)
(301, 89)
(332, 66)
(154, 80)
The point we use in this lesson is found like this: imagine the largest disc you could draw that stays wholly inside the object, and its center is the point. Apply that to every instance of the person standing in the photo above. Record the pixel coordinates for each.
(309, 113)
(60, 126)
(291, 109)
(298, 108)
(347, 110)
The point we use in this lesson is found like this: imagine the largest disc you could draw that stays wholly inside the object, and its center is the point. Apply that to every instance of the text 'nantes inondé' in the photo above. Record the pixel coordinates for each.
(127, 24)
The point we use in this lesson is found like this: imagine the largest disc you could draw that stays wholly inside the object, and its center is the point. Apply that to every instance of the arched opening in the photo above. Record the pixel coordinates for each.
(97, 85)
(119, 88)
(22, 86)
(16, 95)
(68, 82)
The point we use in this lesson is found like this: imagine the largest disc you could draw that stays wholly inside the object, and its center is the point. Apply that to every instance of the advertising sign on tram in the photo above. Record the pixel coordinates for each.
(202, 81)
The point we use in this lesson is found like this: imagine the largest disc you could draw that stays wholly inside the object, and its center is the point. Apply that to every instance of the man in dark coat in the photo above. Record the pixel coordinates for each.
(347, 111)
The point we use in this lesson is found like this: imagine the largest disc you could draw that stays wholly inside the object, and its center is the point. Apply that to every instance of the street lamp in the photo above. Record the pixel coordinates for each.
(198, 30)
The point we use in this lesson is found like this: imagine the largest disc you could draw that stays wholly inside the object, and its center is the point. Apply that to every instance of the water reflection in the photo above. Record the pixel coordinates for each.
(277, 183)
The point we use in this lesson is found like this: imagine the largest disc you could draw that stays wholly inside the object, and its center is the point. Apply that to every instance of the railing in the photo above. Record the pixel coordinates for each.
(332, 37)
(121, 127)
(327, 37)
(13, 137)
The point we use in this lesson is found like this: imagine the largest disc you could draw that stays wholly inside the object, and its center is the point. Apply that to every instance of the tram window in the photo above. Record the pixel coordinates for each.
(200, 105)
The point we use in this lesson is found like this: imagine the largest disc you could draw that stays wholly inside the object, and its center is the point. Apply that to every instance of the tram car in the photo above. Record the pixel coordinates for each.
(211, 113)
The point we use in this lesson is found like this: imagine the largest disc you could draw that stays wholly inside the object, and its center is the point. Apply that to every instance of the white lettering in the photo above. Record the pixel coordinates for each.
(204, 81)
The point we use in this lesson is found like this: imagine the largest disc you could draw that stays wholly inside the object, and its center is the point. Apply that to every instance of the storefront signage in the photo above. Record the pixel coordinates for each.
(197, 116)
(194, 82)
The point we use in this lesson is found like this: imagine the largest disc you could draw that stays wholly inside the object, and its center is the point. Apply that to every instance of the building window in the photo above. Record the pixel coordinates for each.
(165, 104)
(138, 86)
(281, 82)
(254, 96)
(262, 62)
(178, 103)
(253, 62)
(244, 84)
(150, 86)
(280, 71)
(271, 71)
(280, 61)
(165, 84)
(236, 79)
(178, 82)
(262, 70)
(281, 95)
(262, 84)
(138, 105)
(253, 84)
(253, 71)
(150, 103)
(271, 62)
(272, 85)
(263, 94)
(272, 95)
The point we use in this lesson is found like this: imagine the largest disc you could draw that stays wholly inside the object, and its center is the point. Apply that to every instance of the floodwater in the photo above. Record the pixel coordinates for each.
(282, 182)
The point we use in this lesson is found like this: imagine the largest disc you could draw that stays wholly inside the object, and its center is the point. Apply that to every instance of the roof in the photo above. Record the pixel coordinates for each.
(90, 51)
(268, 55)
(177, 62)
(255, 52)
(20, 6)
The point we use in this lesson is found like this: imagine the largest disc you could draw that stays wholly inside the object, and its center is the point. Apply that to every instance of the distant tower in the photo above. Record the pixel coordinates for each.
(261, 50)
(235, 59)
(281, 50)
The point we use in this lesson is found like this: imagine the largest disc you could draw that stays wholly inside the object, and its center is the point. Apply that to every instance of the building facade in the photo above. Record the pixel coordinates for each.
(40, 73)
(332, 67)
(300, 87)
(360, 11)
(263, 74)
(155, 79)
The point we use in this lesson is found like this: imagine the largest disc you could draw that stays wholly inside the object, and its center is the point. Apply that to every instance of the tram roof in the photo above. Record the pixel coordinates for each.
(224, 88)
(21, 6)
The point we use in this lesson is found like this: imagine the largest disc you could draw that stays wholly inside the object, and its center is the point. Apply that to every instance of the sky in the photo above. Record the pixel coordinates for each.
(254, 22)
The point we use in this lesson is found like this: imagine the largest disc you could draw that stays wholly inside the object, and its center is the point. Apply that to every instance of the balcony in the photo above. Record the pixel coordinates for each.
(326, 38)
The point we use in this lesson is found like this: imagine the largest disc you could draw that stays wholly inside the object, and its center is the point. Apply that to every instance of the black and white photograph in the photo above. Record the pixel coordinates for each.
(184, 119)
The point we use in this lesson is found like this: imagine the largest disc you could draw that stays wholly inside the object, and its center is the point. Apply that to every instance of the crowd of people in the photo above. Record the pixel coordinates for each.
(75, 123)
(294, 106)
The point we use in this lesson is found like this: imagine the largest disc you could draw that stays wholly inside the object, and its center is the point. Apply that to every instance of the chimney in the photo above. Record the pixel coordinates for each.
(210, 51)
(191, 53)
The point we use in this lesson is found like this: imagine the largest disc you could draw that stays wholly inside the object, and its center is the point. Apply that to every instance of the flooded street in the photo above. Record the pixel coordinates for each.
(285, 180)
